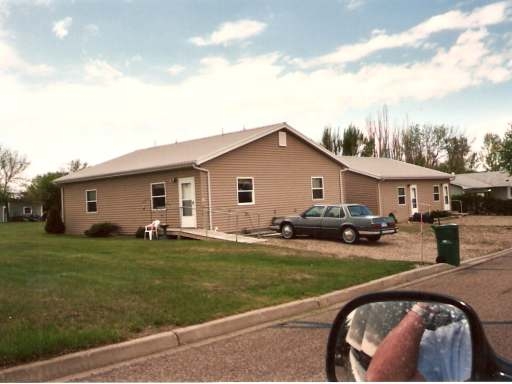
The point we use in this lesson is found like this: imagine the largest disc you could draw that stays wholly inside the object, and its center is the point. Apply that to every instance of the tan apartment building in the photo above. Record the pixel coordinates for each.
(232, 182)
(241, 180)
(394, 187)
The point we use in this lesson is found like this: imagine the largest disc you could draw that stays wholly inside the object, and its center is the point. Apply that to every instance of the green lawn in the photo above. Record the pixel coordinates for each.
(64, 293)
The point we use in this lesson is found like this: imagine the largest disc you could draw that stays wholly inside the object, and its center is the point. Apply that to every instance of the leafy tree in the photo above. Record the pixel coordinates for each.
(506, 151)
(459, 158)
(331, 140)
(12, 165)
(369, 149)
(490, 156)
(353, 139)
(43, 189)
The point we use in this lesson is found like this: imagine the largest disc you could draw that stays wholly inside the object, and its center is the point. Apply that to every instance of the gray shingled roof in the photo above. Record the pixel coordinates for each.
(482, 180)
(179, 155)
(384, 168)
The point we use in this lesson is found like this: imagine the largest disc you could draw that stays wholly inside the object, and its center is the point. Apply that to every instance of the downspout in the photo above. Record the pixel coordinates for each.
(209, 193)
(62, 203)
(380, 196)
(342, 185)
(380, 199)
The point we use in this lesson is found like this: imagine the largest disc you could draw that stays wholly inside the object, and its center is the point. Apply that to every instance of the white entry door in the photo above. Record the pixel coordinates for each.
(446, 198)
(414, 199)
(187, 191)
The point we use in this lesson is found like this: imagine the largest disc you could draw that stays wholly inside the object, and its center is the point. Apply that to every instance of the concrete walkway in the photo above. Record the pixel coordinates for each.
(206, 234)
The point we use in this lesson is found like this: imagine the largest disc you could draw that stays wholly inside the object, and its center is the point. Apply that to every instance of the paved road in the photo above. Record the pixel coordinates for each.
(294, 351)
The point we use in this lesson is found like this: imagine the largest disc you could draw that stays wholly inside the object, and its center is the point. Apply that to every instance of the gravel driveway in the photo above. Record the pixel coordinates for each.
(479, 235)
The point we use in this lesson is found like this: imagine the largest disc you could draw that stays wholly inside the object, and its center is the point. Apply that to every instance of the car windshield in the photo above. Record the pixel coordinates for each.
(359, 210)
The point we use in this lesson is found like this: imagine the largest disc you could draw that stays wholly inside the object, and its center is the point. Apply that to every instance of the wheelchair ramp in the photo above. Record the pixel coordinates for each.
(203, 234)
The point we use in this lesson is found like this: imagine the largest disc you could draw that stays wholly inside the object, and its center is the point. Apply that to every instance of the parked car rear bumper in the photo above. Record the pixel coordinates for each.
(380, 232)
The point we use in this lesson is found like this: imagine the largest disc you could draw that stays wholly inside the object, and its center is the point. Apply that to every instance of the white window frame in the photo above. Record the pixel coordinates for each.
(438, 192)
(510, 192)
(446, 196)
(399, 195)
(253, 191)
(164, 196)
(91, 201)
(24, 213)
(313, 189)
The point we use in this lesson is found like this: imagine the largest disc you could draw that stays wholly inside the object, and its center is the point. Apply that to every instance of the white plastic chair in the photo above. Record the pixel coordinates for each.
(152, 228)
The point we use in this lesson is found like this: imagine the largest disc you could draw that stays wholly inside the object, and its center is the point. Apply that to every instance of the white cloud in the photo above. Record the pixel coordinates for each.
(100, 71)
(112, 113)
(175, 69)
(354, 4)
(488, 15)
(230, 32)
(61, 27)
(10, 61)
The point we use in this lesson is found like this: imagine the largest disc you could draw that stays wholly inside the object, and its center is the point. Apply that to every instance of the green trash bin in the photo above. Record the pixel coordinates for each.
(447, 236)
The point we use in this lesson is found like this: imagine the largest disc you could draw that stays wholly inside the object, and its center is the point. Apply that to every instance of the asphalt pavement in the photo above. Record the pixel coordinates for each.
(295, 350)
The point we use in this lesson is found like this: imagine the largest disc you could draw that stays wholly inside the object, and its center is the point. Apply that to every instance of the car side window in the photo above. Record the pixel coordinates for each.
(315, 211)
(333, 212)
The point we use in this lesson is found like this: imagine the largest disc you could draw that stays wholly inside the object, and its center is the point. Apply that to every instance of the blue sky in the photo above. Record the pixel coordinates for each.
(96, 79)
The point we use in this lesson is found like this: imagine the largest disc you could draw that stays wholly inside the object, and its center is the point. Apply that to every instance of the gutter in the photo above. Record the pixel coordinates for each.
(209, 192)
(126, 173)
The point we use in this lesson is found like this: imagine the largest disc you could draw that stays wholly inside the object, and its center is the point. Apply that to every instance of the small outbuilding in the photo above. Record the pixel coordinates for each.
(20, 209)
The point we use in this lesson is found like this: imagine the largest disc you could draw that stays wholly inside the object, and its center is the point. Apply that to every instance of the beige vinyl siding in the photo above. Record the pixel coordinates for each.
(282, 181)
(126, 201)
(389, 196)
(360, 189)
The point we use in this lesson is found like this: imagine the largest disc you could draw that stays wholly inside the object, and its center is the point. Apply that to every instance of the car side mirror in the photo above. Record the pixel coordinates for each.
(410, 336)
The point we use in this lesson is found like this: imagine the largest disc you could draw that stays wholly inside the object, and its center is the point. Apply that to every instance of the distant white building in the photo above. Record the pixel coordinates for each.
(494, 184)
(20, 208)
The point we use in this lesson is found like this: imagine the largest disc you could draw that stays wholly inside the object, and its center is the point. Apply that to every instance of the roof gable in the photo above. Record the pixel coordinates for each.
(181, 155)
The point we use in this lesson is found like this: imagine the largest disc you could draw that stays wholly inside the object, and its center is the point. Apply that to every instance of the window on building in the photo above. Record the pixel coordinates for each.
(317, 187)
(245, 189)
(91, 201)
(436, 193)
(446, 195)
(27, 210)
(158, 196)
(401, 195)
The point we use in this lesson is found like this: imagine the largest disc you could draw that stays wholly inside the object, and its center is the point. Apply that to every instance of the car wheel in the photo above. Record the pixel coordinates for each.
(373, 239)
(287, 231)
(349, 235)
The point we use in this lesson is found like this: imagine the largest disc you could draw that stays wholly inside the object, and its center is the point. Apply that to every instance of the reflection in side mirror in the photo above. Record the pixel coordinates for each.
(403, 341)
